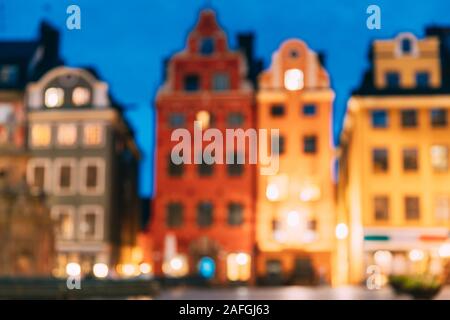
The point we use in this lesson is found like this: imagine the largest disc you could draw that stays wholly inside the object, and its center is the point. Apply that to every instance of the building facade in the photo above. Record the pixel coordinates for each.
(83, 156)
(295, 208)
(394, 163)
(203, 214)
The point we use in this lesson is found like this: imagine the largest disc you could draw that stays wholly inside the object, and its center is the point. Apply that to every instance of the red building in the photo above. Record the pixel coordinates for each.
(203, 215)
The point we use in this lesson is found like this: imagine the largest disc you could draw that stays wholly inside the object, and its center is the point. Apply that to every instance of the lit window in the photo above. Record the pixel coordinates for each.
(293, 79)
(93, 134)
(81, 96)
(176, 266)
(92, 176)
(64, 176)
(238, 266)
(439, 157)
(67, 134)
(63, 217)
(91, 223)
(54, 97)
(38, 171)
(41, 135)
(204, 118)
(442, 208)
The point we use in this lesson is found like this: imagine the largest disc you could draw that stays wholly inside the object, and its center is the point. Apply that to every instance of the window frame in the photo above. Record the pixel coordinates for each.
(102, 127)
(56, 211)
(32, 143)
(58, 163)
(46, 164)
(99, 211)
(57, 136)
(101, 175)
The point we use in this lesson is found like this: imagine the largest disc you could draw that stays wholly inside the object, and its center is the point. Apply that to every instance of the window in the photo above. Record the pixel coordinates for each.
(438, 118)
(294, 54)
(221, 82)
(65, 176)
(81, 96)
(177, 120)
(38, 174)
(409, 118)
(410, 159)
(93, 134)
(379, 119)
(67, 135)
(9, 74)
(54, 97)
(406, 46)
(174, 170)
(174, 214)
(235, 119)
(392, 80)
(309, 110)
(293, 79)
(204, 214)
(380, 160)
(207, 46)
(91, 222)
(235, 169)
(277, 110)
(412, 211)
(235, 214)
(63, 217)
(192, 82)
(381, 208)
(422, 79)
(310, 144)
(281, 144)
(439, 157)
(205, 170)
(41, 135)
(238, 266)
(92, 174)
(442, 208)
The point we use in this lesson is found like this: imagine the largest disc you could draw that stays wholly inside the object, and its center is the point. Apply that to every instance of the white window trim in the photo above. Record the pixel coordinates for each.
(65, 146)
(55, 212)
(32, 145)
(99, 221)
(100, 163)
(57, 164)
(102, 135)
(35, 162)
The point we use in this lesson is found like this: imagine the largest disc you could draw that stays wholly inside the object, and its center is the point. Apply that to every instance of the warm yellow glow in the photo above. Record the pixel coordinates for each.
(73, 269)
(444, 250)
(54, 97)
(341, 231)
(81, 96)
(176, 267)
(293, 219)
(416, 255)
(383, 258)
(67, 134)
(100, 270)
(145, 268)
(93, 134)
(238, 266)
(204, 118)
(310, 193)
(293, 79)
(272, 192)
(128, 270)
(40, 135)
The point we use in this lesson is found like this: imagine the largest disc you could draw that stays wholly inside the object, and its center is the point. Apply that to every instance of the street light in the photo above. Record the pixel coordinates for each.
(341, 231)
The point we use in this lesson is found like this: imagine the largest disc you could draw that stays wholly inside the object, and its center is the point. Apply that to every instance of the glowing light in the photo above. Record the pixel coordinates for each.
(444, 250)
(207, 267)
(416, 255)
(176, 264)
(293, 79)
(341, 231)
(204, 118)
(100, 270)
(383, 258)
(310, 193)
(272, 192)
(73, 269)
(54, 97)
(128, 270)
(145, 268)
(242, 259)
(293, 219)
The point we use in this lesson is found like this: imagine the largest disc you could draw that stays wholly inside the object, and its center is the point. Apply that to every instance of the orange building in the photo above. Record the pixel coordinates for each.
(203, 215)
(295, 207)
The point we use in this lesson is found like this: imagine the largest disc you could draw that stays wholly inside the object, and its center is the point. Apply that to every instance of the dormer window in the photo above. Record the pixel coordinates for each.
(54, 97)
(81, 96)
(293, 79)
(406, 46)
(207, 46)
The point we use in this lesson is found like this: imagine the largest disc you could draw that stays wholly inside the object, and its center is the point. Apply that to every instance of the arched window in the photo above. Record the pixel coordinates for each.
(54, 97)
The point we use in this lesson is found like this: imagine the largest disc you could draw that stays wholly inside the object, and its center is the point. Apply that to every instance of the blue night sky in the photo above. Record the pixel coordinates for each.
(127, 40)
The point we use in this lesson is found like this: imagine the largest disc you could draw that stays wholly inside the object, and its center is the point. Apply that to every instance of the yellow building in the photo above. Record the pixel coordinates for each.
(394, 190)
(295, 207)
